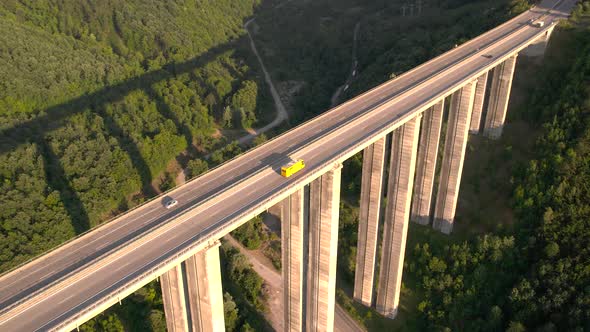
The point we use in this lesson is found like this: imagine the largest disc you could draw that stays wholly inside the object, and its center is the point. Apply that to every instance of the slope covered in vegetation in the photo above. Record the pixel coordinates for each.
(97, 98)
(528, 274)
(309, 43)
(537, 277)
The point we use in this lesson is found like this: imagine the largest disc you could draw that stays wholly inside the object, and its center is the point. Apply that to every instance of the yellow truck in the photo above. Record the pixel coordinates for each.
(292, 168)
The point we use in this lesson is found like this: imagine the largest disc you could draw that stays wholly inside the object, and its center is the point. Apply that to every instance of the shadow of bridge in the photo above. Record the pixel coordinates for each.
(52, 118)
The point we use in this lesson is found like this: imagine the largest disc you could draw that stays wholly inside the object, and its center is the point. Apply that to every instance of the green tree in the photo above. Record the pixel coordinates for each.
(244, 100)
(168, 182)
(230, 311)
(260, 139)
(552, 249)
(247, 328)
(226, 120)
(196, 167)
(157, 321)
(515, 327)
(251, 234)
(229, 151)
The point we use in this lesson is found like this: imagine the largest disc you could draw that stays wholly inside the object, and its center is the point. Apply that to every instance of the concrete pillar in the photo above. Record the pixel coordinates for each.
(292, 224)
(480, 93)
(323, 244)
(452, 164)
(426, 163)
(370, 206)
(192, 293)
(537, 48)
(397, 214)
(203, 280)
(173, 296)
(499, 97)
(544, 40)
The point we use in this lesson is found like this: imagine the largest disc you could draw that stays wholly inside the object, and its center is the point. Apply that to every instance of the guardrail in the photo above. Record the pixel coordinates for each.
(225, 226)
(110, 223)
(170, 191)
(222, 228)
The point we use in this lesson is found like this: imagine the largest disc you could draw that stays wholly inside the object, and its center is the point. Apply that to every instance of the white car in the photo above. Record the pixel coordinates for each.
(170, 203)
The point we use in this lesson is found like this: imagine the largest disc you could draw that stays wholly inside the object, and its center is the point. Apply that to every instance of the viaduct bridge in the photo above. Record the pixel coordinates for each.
(76, 281)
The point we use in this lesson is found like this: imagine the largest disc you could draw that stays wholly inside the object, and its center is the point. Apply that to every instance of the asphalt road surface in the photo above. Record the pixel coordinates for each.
(72, 278)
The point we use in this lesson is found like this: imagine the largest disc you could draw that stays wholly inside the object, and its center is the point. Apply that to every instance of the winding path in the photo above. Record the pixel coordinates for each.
(281, 111)
(282, 114)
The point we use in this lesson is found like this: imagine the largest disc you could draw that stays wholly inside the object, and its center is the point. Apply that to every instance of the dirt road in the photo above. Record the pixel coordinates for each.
(342, 321)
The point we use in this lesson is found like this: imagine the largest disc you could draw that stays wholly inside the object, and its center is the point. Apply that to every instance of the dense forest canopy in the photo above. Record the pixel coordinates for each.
(103, 42)
(98, 97)
(316, 56)
(539, 277)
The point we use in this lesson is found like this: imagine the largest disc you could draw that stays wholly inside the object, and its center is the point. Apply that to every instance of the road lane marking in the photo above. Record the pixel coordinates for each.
(67, 298)
(491, 35)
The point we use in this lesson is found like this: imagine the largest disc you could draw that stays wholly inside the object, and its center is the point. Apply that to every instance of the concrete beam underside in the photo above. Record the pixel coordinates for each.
(292, 228)
(323, 245)
(192, 293)
(399, 193)
(370, 207)
(499, 97)
(480, 94)
(454, 155)
(426, 163)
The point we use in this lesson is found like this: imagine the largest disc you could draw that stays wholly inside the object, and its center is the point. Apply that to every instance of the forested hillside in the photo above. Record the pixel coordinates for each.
(98, 98)
(389, 47)
(309, 43)
(531, 273)
(56, 50)
(538, 277)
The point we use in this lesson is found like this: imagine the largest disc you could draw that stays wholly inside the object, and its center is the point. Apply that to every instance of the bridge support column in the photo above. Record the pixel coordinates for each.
(203, 275)
(499, 97)
(370, 207)
(480, 93)
(192, 293)
(175, 308)
(323, 244)
(292, 228)
(454, 155)
(544, 41)
(399, 193)
(426, 163)
(538, 47)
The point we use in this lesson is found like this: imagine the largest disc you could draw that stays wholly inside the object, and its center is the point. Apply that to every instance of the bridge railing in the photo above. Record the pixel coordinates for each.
(320, 170)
